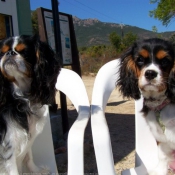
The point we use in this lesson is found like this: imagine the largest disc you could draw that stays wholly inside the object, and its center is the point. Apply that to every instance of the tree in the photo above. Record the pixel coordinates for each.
(164, 12)
(154, 29)
(34, 22)
(129, 39)
(115, 40)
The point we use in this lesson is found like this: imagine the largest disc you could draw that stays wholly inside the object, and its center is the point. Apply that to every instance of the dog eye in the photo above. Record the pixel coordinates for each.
(165, 62)
(140, 60)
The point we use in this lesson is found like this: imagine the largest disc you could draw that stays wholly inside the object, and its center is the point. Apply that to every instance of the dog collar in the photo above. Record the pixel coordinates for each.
(158, 107)
(157, 111)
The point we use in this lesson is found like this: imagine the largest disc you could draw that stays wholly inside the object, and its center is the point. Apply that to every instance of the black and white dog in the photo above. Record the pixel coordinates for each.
(148, 69)
(28, 74)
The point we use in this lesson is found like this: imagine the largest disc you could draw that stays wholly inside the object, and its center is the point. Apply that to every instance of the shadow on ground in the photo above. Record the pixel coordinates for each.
(116, 103)
(122, 132)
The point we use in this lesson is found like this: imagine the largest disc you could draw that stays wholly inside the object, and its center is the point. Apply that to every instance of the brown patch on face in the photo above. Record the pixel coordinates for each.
(161, 54)
(144, 53)
(11, 79)
(5, 49)
(20, 47)
(162, 87)
(132, 66)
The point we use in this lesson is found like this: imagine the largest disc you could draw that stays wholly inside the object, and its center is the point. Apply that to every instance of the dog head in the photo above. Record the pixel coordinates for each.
(148, 68)
(31, 67)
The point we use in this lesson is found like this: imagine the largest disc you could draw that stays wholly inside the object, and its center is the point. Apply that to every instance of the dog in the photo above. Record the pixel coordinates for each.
(28, 73)
(147, 69)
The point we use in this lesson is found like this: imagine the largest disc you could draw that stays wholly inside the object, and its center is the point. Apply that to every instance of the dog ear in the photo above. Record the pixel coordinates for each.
(171, 85)
(171, 79)
(46, 70)
(128, 80)
(5, 92)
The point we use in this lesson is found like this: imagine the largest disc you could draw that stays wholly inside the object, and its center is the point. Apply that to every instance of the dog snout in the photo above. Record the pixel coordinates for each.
(11, 53)
(150, 74)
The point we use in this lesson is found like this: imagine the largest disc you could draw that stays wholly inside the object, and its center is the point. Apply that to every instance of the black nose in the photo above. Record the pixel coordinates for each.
(150, 74)
(11, 52)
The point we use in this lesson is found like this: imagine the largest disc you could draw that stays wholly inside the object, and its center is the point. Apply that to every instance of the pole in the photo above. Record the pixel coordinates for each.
(58, 49)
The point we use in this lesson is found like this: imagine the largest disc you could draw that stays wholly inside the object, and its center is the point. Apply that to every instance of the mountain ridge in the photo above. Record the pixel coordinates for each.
(92, 31)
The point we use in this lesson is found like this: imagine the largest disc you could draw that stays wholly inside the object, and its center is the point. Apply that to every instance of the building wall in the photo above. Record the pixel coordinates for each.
(24, 17)
(20, 12)
(9, 8)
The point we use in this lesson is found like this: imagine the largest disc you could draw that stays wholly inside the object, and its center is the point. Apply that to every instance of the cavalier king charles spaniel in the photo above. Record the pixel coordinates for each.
(28, 74)
(148, 69)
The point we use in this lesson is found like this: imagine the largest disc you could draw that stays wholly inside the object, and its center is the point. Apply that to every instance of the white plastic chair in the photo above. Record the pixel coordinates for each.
(146, 146)
(43, 151)
(146, 149)
(103, 86)
(72, 85)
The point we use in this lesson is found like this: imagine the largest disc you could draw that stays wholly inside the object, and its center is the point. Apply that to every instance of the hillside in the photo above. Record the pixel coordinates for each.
(93, 32)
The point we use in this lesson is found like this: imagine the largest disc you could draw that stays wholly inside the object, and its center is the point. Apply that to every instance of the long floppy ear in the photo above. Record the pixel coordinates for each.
(5, 92)
(13, 107)
(45, 75)
(128, 80)
(4, 83)
(171, 85)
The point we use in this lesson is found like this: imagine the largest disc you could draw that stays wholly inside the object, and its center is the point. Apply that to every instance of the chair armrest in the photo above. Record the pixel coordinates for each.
(104, 84)
(72, 85)
(146, 145)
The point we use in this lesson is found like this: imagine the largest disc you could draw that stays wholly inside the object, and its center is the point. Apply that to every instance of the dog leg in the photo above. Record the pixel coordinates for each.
(164, 151)
(33, 168)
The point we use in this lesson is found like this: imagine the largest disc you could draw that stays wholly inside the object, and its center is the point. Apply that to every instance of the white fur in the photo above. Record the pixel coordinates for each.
(15, 42)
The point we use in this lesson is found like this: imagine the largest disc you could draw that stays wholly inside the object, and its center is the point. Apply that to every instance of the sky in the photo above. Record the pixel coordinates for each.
(126, 12)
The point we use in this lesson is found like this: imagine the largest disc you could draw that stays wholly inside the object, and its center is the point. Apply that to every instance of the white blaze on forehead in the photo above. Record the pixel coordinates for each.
(16, 39)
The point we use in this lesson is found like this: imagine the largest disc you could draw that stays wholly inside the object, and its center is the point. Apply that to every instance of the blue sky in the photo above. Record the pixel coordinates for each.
(127, 12)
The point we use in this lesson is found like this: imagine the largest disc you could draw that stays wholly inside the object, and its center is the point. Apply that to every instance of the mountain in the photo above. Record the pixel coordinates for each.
(94, 32)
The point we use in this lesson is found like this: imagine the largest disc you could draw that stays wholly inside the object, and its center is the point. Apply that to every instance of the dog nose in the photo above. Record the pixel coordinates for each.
(11, 52)
(150, 74)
